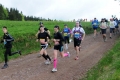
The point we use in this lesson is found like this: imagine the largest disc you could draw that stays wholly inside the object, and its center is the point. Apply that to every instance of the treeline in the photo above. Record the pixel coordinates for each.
(10, 14)
(15, 15)
(31, 18)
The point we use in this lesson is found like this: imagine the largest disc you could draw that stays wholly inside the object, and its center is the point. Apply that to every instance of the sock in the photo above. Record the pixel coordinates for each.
(66, 46)
(48, 57)
(44, 56)
(65, 54)
(55, 63)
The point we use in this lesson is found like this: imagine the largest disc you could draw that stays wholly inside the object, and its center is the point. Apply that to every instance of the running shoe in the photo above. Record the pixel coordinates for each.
(54, 70)
(19, 52)
(70, 40)
(105, 39)
(76, 58)
(5, 66)
(46, 62)
(39, 55)
(68, 54)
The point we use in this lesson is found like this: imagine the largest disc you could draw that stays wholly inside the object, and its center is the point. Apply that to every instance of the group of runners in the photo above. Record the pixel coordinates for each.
(43, 37)
(77, 34)
(113, 25)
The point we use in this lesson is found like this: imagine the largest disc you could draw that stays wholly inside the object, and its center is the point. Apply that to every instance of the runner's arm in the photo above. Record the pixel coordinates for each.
(72, 32)
(60, 37)
(48, 36)
(38, 37)
(37, 33)
(83, 36)
(83, 31)
(48, 32)
(69, 30)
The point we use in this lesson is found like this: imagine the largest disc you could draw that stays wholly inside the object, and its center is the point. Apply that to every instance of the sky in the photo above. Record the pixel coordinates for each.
(66, 9)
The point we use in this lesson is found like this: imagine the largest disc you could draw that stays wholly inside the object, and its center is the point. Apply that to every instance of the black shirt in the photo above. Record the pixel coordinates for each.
(44, 35)
(8, 38)
(59, 36)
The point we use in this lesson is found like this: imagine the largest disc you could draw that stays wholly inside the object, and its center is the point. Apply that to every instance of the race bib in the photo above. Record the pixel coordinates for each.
(94, 24)
(112, 24)
(77, 35)
(65, 34)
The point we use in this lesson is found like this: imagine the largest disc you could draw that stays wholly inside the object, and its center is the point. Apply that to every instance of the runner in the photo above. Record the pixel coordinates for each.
(46, 30)
(7, 39)
(103, 26)
(112, 25)
(117, 26)
(78, 33)
(42, 37)
(119, 23)
(66, 32)
(58, 46)
(95, 26)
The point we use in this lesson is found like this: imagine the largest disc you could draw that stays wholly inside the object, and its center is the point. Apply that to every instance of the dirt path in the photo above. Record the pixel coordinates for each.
(32, 68)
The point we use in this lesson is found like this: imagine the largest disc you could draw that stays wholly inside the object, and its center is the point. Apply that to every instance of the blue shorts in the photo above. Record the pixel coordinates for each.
(95, 28)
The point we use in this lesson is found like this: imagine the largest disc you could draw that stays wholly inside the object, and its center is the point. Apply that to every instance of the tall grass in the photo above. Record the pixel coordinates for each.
(24, 34)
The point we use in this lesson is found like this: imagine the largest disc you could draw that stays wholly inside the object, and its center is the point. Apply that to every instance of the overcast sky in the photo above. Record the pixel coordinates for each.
(65, 9)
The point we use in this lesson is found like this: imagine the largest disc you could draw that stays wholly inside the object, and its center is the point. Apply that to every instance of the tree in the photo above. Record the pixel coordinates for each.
(2, 14)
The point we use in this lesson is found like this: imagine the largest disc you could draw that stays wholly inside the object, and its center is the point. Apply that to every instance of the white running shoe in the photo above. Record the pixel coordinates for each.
(46, 62)
(70, 40)
(68, 54)
(54, 70)
(39, 55)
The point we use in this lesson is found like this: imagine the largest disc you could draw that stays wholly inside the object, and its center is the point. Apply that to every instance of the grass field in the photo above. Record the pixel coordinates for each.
(108, 67)
(24, 34)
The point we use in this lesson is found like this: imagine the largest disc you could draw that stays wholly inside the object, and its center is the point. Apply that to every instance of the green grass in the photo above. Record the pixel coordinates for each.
(24, 34)
(108, 67)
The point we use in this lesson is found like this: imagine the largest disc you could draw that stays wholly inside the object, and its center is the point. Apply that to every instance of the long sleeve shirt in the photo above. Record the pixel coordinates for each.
(59, 36)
